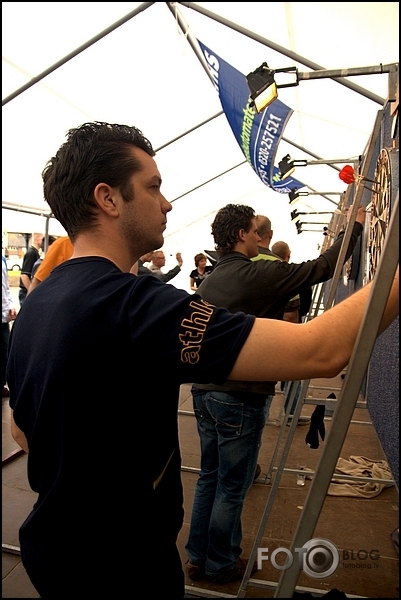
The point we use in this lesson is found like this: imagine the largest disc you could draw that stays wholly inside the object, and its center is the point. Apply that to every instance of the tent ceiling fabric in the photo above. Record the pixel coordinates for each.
(145, 73)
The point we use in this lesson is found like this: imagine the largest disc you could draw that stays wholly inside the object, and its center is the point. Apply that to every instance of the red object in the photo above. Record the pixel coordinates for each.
(347, 174)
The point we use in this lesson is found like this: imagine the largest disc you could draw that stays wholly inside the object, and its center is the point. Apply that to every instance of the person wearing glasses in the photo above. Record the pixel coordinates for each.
(158, 262)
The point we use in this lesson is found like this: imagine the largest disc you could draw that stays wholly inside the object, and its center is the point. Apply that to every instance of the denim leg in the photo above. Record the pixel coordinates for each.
(21, 296)
(230, 434)
(269, 400)
(205, 488)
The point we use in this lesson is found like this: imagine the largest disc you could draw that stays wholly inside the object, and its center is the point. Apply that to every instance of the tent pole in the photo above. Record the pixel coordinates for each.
(77, 51)
(285, 51)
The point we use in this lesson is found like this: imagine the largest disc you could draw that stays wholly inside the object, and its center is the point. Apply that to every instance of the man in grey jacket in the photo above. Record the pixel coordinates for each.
(231, 417)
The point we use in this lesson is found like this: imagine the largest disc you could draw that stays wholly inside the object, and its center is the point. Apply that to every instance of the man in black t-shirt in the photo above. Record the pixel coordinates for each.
(38, 262)
(74, 387)
(30, 257)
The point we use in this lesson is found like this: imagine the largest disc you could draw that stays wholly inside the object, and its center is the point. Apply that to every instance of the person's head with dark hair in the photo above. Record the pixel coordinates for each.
(199, 257)
(228, 224)
(94, 153)
(43, 242)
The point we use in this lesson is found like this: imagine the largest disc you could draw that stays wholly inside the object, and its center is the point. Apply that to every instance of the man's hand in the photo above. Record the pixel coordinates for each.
(12, 313)
(360, 215)
(179, 259)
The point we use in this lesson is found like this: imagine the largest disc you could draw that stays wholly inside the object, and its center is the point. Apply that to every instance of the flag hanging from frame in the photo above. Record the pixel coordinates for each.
(258, 135)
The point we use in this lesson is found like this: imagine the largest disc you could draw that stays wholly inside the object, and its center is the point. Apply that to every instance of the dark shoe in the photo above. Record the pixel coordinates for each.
(195, 572)
(234, 574)
(5, 393)
(258, 471)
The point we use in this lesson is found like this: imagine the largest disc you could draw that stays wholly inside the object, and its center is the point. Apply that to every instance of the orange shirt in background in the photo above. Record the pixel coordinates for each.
(58, 252)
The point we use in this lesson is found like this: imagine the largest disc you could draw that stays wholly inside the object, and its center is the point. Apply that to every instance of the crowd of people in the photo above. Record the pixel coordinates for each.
(80, 334)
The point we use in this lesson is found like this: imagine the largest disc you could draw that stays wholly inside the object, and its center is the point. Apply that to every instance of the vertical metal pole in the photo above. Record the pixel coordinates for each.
(346, 403)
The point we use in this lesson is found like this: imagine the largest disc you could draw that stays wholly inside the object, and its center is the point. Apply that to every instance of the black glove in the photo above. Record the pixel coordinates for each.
(316, 425)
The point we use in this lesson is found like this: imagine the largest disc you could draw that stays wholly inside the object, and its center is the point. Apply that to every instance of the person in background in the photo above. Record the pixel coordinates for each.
(40, 259)
(159, 260)
(30, 257)
(292, 314)
(8, 314)
(265, 233)
(202, 270)
(146, 258)
(295, 309)
(282, 250)
(57, 253)
(72, 355)
(231, 416)
(292, 308)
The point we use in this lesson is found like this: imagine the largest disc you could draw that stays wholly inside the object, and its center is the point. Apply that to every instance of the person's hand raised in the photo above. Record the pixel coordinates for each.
(360, 215)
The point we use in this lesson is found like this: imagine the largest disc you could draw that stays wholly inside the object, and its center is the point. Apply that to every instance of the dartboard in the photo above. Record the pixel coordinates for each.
(379, 212)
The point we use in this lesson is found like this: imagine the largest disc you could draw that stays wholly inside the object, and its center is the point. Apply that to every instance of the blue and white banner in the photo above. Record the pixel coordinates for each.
(258, 135)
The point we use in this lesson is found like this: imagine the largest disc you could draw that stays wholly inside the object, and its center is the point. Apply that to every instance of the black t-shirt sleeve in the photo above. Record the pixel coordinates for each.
(28, 261)
(199, 342)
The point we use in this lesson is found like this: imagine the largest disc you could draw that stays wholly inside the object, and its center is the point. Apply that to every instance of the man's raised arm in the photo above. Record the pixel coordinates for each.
(321, 347)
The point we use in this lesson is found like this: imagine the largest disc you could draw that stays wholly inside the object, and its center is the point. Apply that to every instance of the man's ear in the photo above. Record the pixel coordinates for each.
(105, 199)
(241, 235)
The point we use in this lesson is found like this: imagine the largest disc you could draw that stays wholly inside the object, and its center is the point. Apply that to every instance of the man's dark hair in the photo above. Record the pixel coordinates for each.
(228, 222)
(43, 242)
(93, 153)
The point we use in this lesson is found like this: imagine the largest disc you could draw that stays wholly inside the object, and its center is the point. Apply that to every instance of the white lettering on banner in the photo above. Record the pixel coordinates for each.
(213, 66)
(265, 144)
(263, 175)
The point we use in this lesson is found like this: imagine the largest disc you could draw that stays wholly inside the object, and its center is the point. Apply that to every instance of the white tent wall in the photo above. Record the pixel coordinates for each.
(145, 73)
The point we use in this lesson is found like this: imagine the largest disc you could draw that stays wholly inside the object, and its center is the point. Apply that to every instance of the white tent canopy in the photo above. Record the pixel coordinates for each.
(145, 72)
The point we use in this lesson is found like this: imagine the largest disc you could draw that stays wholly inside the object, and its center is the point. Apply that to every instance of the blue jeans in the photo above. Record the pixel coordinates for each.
(230, 436)
(21, 296)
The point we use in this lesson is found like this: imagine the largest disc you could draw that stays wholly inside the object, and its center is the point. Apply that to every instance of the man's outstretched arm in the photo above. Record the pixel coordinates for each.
(322, 347)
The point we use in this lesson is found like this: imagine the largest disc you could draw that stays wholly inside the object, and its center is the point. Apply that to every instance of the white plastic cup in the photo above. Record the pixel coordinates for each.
(301, 476)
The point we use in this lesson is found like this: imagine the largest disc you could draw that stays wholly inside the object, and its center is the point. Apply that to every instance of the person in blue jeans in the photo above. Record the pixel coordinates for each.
(231, 416)
(230, 433)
